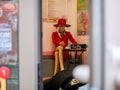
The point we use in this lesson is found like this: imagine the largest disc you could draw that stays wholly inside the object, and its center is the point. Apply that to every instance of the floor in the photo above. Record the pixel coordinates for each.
(48, 66)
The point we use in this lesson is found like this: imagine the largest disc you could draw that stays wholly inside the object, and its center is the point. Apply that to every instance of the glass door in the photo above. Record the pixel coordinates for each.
(9, 66)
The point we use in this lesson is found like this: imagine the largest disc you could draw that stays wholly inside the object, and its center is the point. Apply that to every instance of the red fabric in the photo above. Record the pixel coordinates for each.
(56, 39)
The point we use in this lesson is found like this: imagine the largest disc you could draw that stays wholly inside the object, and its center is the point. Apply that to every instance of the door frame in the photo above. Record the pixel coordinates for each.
(30, 44)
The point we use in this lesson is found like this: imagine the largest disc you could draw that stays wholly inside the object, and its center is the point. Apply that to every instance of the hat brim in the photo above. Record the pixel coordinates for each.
(58, 25)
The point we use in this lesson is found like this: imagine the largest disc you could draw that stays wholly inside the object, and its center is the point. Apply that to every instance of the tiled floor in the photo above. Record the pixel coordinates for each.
(48, 66)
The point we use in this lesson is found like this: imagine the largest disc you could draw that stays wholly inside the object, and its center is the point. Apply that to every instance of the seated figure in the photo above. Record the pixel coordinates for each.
(60, 39)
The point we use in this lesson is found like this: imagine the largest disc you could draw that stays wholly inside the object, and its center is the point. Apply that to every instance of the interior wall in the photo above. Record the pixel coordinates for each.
(48, 28)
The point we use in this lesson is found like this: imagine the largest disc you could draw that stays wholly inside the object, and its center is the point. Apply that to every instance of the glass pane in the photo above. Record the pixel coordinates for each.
(61, 51)
(9, 45)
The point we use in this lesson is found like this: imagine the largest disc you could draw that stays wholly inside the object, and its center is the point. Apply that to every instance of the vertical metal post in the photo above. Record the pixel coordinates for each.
(39, 22)
(96, 51)
(30, 44)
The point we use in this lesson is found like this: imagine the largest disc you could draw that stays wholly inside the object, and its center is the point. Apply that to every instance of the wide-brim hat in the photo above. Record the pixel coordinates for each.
(61, 22)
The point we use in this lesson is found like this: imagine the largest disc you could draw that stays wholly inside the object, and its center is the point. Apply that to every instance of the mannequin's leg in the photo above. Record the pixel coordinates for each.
(60, 49)
(56, 63)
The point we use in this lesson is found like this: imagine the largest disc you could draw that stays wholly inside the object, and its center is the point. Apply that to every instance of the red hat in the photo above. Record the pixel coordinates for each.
(62, 22)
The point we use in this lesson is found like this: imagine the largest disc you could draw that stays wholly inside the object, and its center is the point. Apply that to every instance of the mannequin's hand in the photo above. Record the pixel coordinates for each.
(62, 43)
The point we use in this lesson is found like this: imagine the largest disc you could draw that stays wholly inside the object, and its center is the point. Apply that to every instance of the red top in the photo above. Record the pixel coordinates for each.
(56, 39)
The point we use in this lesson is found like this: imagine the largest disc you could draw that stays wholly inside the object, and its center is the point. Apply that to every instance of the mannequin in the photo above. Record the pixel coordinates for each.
(60, 39)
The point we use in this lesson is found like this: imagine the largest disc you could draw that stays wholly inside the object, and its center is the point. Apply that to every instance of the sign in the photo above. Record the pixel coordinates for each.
(53, 11)
(4, 74)
(5, 39)
(78, 46)
(82, 17)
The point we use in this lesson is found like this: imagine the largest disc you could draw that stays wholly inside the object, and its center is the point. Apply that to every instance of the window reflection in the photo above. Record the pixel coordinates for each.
(8, 40)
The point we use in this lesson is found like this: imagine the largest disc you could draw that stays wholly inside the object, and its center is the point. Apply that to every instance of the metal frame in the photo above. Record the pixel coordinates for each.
(96, 47)
(30, 44)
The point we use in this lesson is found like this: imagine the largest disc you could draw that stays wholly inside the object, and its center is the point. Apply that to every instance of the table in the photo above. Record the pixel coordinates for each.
(78, 56)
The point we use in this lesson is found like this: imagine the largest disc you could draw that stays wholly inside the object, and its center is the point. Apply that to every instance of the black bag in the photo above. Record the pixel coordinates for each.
(64, 80)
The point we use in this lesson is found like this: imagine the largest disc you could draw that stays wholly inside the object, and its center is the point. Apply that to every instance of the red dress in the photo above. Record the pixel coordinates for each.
(56, 39)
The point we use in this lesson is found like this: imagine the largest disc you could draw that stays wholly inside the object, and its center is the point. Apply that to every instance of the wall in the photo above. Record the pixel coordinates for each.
(48, 28)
